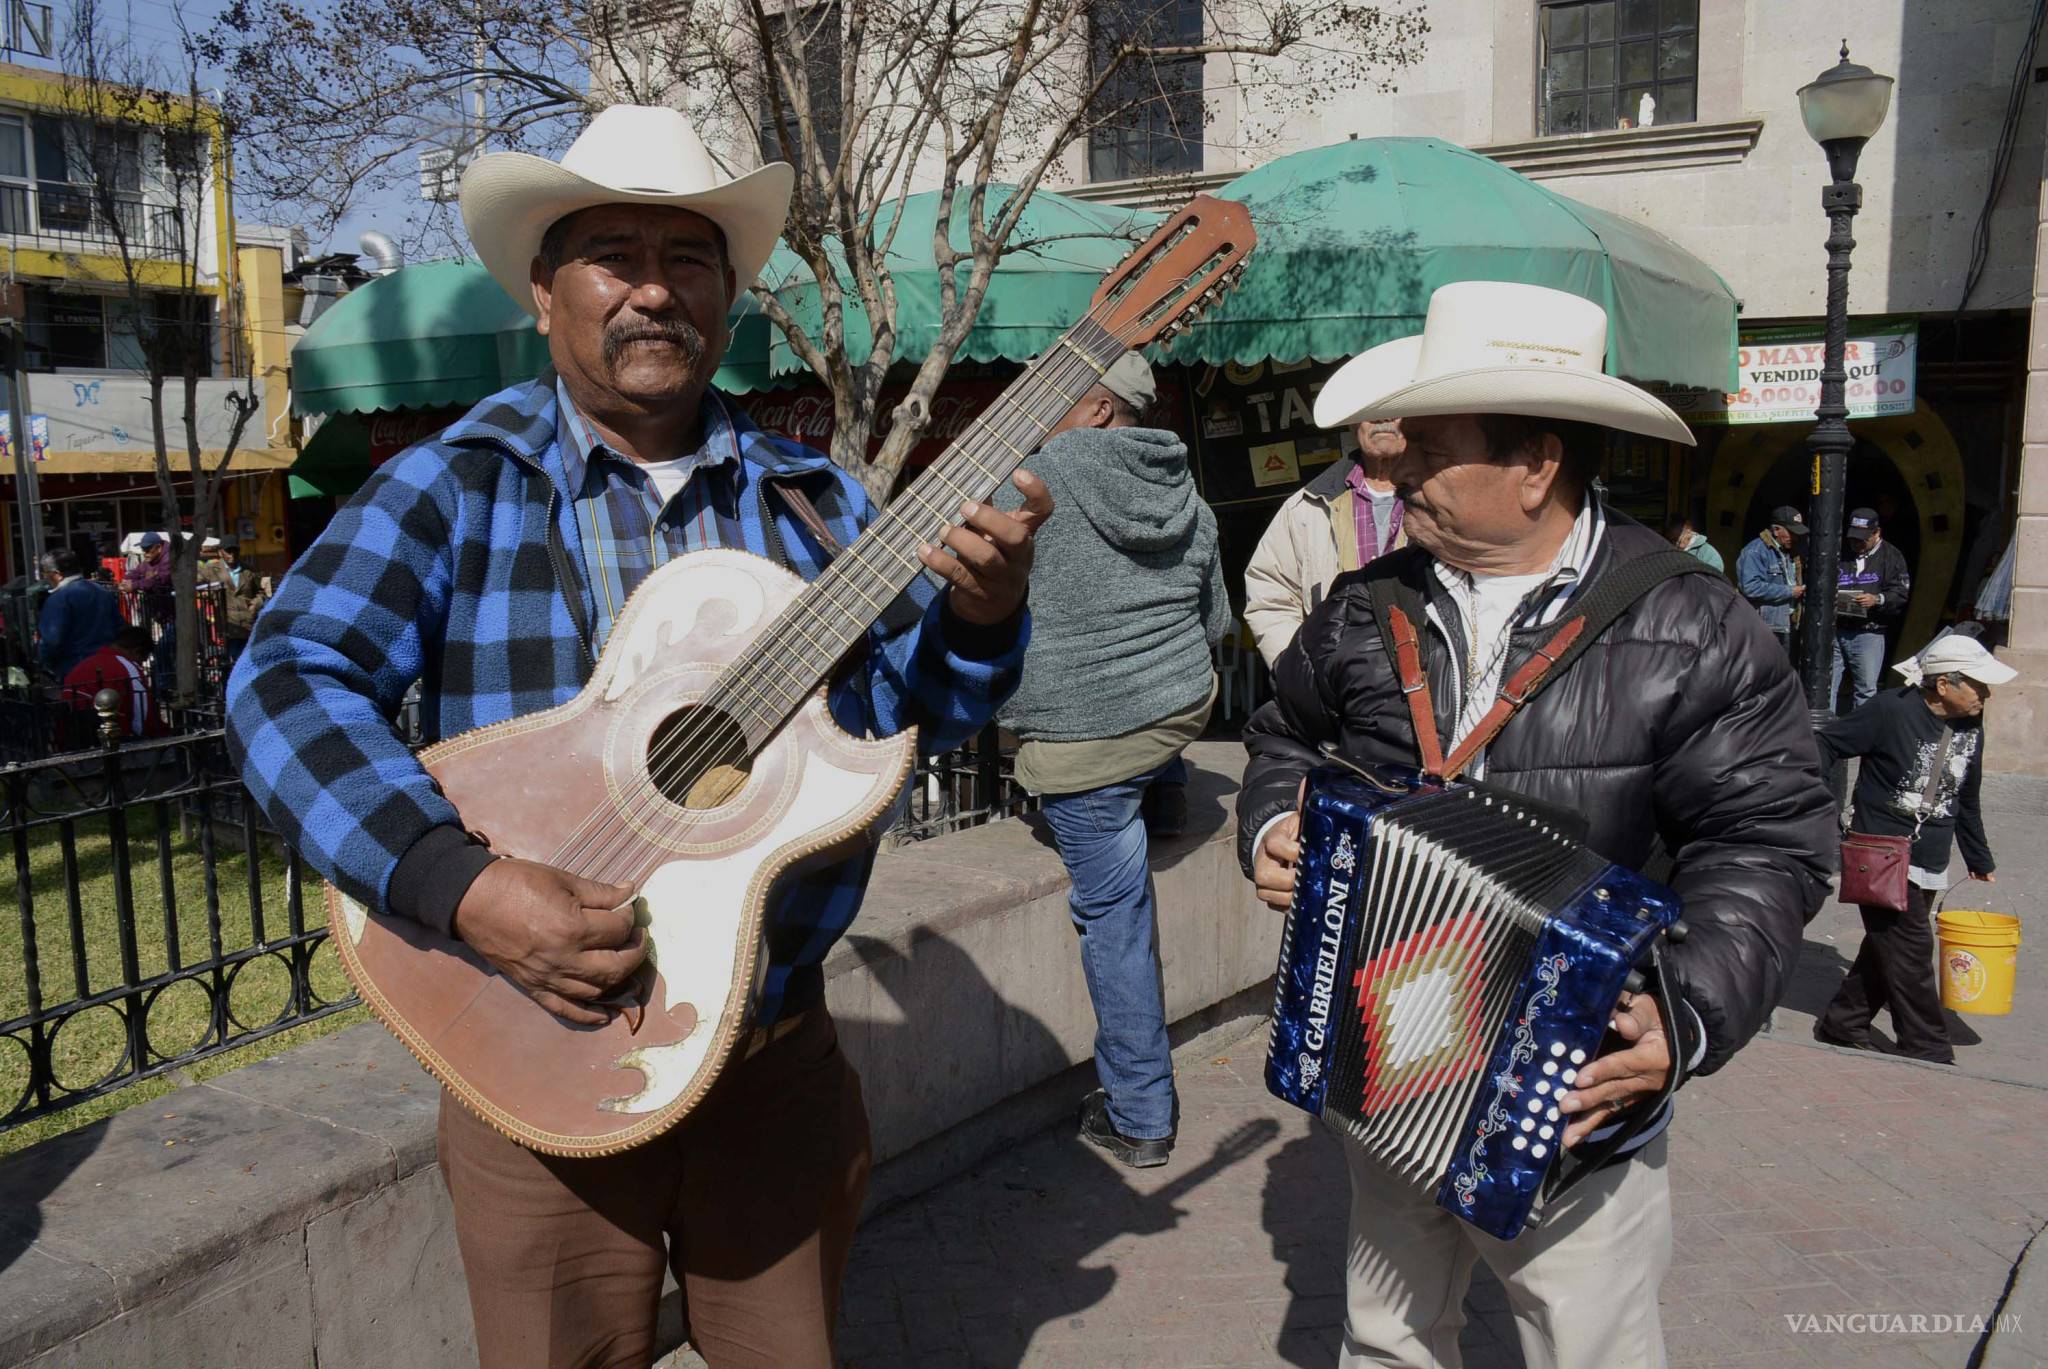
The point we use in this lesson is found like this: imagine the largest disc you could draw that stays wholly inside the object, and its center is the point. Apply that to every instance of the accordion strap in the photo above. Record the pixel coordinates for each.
(1592, 613)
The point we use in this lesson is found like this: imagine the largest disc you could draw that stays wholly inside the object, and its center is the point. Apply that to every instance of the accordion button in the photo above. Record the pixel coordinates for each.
(1570, 1075)
(1539, 1150)
(1542, 1086)
(1521, 1143)
(1578, 1057)
(1528, 1125)
(1550, 1067)
(1552, 1114)
(1547, 1132)
(1557, 1048)
(1535, 1105)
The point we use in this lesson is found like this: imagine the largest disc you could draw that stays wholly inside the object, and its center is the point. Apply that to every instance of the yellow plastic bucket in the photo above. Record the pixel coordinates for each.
(1979, 956)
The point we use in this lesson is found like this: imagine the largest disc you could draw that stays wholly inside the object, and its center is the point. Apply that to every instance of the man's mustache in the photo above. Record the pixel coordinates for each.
(677, 332)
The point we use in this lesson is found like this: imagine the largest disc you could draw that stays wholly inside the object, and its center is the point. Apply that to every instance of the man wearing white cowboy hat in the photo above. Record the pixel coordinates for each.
(1680, 728)
(488, 565)
(1923, 769)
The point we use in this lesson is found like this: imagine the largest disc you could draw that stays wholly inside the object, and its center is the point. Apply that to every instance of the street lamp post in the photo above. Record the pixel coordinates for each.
(1843, 107)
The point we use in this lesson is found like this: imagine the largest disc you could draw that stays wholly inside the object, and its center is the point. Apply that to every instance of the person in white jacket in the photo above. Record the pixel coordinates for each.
(1336, 522)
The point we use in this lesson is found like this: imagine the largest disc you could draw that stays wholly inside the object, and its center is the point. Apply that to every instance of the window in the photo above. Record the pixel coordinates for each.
(1151, 112)
(818, 30)
(1619, 64)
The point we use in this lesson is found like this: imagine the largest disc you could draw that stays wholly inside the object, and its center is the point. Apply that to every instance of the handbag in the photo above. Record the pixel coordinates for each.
(1874, 868)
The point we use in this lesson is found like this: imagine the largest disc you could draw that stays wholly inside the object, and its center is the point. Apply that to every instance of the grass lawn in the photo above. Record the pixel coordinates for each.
(168, 881)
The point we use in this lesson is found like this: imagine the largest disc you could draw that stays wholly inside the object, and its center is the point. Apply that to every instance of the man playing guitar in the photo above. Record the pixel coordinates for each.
(487, 565)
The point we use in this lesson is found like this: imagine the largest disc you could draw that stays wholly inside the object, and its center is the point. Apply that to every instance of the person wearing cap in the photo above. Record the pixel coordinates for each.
(1922, 748)
(1344, 518)
(488, 565)
(1507, 415)
(1872, 588)
(243, 591)
(1768, 573)
(1127, 598)
(153, 571)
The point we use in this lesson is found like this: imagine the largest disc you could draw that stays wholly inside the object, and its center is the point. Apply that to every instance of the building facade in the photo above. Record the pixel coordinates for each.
(112, 224)
(1684, 115)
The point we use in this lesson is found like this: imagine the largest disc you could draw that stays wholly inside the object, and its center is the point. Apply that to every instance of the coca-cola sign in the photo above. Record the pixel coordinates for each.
(806, 415)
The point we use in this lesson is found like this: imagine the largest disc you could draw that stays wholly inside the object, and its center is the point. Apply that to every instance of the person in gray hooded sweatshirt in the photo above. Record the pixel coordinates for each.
(1127, 598)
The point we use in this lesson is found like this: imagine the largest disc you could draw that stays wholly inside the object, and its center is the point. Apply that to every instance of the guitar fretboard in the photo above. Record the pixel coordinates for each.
(764, 688)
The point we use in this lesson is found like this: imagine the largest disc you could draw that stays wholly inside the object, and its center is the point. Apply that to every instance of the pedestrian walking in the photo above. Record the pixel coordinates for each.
(1922, 748)
(1768, 573)
(1871, 592)
(1344, 518)
(1127, 598)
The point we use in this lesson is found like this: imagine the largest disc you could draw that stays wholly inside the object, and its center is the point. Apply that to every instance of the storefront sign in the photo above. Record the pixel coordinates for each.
(1258, 438)
(112, 413)
(38, 438)
(1779, 376)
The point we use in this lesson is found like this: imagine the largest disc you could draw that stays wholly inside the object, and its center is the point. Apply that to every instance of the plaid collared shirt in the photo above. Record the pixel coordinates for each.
(628, 529)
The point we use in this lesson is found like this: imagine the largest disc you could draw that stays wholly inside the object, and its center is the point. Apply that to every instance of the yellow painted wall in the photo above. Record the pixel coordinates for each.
(260, 273)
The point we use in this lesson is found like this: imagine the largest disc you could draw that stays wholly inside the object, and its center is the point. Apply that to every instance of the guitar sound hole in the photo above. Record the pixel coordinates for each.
(698, 758)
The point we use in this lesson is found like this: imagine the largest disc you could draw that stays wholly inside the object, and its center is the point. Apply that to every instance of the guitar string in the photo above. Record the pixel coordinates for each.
(897, 532)
(777, 657)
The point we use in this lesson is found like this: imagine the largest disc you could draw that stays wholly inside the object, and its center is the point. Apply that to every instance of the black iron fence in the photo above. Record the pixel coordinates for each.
(162, 922)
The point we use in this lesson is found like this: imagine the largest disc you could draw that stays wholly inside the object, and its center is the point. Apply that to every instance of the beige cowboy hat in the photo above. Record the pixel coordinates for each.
(630, 154)
(1491, 347)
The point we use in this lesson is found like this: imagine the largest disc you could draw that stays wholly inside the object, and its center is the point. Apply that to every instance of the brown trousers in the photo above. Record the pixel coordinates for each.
(751, 1201)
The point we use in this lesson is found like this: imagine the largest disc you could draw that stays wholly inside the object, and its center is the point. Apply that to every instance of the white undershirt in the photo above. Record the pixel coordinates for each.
(1488, 608)
(669, 477)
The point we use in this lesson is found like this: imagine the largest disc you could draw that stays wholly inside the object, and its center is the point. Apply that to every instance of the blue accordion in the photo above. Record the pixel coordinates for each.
(1453, 956)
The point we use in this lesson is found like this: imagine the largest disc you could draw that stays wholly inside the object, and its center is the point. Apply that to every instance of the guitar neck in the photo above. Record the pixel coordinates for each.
(797, 652)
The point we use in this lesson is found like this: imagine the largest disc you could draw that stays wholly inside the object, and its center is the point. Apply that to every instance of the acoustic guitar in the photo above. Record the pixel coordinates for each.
(699, 765)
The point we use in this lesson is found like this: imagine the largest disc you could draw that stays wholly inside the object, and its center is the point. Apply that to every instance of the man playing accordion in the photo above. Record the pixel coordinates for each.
(1679, 736)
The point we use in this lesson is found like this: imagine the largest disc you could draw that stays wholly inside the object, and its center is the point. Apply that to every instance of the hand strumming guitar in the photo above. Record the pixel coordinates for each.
(563, 939)
(987, 560)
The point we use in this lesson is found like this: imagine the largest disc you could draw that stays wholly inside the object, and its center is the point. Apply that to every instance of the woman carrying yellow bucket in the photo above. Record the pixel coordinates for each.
(1922, 750)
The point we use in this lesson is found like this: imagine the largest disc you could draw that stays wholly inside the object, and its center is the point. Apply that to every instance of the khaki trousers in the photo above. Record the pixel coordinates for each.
(1582, 1283)
(751, 1201)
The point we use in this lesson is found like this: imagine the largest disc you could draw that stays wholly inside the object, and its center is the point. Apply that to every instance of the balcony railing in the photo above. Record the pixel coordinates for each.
(63, 215)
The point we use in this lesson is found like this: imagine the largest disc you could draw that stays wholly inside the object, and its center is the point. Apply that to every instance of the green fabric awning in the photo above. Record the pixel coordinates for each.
(1062, 248)
(1354, 237)
(445, 332)
(334, 461)
(442, 332)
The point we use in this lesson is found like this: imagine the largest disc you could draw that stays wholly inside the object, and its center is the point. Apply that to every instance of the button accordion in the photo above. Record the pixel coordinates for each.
(1452, 957)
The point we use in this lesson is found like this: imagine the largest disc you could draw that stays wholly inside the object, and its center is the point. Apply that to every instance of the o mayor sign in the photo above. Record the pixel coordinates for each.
(1780, 378)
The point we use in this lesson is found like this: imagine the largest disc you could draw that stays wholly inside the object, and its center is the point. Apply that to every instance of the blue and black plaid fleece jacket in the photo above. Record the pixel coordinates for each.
(438, 571)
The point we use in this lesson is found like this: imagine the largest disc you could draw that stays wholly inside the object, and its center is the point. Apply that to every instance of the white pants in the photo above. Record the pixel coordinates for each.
(1582, 1282)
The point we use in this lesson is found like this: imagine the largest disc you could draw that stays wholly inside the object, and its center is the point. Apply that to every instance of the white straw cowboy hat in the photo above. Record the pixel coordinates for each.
(630, 154)
(1490, 347)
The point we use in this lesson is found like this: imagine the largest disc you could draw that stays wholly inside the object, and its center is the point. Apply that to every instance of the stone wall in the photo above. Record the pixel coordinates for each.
(291, 1211)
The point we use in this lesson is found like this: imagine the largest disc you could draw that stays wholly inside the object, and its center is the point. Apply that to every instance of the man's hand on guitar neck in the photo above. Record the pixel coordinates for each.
(987, 560)
(565, 940)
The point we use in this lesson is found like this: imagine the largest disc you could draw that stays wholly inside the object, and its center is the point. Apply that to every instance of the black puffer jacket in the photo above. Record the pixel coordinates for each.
(1683, 721)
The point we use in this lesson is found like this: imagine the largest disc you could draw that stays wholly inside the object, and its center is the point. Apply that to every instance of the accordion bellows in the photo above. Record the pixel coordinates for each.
(1452, 957)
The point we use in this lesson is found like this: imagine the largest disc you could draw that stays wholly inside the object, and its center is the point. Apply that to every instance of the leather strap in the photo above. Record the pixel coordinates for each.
(1415, 685)
(1596, 610)
(807, 513)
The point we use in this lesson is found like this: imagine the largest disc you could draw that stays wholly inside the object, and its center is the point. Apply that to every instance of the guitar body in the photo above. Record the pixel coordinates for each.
(809, 795)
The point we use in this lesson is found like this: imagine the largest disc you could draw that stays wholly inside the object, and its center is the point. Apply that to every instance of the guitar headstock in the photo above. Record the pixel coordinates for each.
(1188, 263)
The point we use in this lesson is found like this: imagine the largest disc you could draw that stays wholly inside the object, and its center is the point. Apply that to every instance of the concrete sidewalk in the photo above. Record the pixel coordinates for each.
(1807, 1182)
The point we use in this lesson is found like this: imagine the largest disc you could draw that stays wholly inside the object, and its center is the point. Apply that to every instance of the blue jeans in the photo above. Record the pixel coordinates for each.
(1863, 654)
(1101, 836)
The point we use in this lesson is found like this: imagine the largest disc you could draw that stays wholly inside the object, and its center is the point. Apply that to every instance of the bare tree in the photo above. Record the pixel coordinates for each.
(870, 100)
(136, 119)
